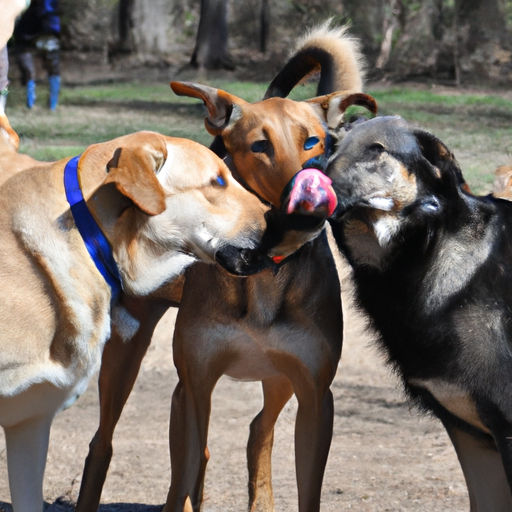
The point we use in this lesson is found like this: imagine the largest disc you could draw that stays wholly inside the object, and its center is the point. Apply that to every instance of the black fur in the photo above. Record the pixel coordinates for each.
(439, 292)
(302, 64)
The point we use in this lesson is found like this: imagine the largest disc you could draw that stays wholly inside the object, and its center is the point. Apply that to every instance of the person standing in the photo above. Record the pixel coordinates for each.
(38, 30)
(10, 9)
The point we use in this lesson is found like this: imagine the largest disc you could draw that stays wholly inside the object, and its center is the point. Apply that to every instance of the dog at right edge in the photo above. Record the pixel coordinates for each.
(432, 266)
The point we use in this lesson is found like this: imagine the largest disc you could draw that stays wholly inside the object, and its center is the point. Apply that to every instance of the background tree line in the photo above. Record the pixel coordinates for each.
(456, 40)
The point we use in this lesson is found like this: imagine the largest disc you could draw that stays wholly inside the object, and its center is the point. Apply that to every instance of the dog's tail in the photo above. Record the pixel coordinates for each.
(327, 50)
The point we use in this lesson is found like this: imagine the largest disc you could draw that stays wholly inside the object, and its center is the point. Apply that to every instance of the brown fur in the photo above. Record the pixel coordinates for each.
(284, 330)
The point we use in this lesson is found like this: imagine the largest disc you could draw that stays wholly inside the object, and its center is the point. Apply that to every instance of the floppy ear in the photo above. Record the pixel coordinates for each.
(133, 171)
(331, 107)
(438, 154)
(223, 108)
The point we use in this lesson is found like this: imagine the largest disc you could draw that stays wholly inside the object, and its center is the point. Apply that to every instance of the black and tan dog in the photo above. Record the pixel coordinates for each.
(433, 268)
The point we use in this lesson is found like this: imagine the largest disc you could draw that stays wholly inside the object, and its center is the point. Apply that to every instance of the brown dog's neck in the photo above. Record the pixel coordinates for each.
(264, 296)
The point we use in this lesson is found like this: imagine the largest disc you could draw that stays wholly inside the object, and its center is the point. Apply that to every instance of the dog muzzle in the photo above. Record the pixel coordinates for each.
(307, 201)
(310, 192)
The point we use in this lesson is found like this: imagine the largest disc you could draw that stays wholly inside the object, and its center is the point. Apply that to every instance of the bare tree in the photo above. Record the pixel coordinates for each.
(484, 43)
(211, 50)
(264, 25)
(125, 24)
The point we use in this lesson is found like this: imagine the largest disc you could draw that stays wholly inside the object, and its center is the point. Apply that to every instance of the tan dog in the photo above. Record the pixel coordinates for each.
(12, 162)
(161, 203)
(502, 186)
(284, 330)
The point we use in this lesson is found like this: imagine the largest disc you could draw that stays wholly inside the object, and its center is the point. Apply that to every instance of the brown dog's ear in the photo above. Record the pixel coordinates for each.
(223, 108)
(331, 107)
(133, 171)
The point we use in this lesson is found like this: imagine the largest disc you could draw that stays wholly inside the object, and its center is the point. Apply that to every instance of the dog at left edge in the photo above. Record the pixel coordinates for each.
(77, 236)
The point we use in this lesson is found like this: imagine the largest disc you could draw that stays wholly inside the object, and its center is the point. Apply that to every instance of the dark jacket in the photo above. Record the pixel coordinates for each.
(41, 18)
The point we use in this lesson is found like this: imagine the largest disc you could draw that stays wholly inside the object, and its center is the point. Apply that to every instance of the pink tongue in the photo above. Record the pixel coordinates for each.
(311, 191)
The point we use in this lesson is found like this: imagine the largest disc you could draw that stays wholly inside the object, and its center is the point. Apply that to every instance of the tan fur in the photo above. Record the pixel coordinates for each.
(12, 162)
(502, 186)
(7, 135)
(55, 313)
(346, 51)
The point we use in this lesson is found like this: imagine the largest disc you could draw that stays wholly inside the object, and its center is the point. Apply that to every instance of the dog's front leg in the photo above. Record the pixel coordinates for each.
(120, 366)
(313, 434)
(276, 393)
(483, 470)
(27, 448)
(190, 416)
(311, 379)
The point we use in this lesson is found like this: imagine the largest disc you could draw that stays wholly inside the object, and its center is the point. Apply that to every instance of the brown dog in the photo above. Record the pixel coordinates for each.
(284, 330)
(157, 204)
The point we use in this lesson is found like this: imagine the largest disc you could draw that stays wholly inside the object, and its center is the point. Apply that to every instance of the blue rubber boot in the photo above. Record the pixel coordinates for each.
(54, 91)
(31, 93)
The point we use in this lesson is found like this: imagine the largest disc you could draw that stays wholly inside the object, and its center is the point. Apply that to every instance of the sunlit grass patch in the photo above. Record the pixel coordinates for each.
(476, 127)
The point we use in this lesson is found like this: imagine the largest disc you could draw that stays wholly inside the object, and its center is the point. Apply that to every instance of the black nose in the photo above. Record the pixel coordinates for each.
(241, 262)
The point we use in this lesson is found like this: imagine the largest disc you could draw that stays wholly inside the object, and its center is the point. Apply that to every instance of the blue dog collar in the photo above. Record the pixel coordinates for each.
(95, 241)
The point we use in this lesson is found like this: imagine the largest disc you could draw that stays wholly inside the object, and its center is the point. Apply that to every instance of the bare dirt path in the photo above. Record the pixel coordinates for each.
(383, 457)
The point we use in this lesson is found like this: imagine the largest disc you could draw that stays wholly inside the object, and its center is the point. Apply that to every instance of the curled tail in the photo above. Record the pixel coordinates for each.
(326, 50)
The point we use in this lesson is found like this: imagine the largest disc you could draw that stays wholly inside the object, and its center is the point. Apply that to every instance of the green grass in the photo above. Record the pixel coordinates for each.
(477, 127)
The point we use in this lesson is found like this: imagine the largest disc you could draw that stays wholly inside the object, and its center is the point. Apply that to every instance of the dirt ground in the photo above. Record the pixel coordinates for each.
(384, 457)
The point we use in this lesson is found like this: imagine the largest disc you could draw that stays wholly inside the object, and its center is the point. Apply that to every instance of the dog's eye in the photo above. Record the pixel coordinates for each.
(311, 142)
(220, 181)
(260, 146)
(377, 147)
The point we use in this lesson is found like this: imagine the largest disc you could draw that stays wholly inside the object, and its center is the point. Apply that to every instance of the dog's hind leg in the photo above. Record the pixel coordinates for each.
(27, 448)
(483, 470)
(276, 393)
(120, 366)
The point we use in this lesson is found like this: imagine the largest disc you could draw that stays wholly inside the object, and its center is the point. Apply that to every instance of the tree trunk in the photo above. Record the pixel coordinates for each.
(125, 24)
(484, 44)
(211, 50)
(416, 53)
(264, 25)
(367, 20)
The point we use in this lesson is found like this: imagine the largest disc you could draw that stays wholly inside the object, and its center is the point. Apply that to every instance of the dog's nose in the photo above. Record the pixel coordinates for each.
(241, 262)
(311, 193)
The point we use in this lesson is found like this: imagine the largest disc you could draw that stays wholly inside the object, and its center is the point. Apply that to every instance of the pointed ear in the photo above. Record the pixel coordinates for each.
(8, 133)
(331, 107)
(438, 154)
(133, 171)
(223, 108)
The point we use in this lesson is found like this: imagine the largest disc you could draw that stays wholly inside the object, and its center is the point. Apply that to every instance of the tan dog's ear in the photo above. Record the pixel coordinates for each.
(331, 107)
(133, 171)
(8, 133)
(223, 108)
